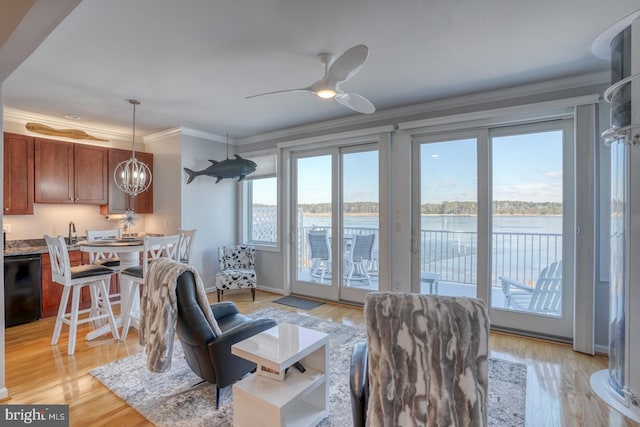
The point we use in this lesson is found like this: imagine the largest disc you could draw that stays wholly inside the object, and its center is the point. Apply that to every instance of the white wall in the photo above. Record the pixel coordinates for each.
(269, 270)
(206, 206)
(166, 186)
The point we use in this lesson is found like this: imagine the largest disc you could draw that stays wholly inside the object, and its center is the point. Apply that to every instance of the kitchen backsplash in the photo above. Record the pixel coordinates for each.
(54, 220)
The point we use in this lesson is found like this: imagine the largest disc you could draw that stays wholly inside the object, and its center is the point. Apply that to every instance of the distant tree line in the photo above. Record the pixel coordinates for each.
(501, 207)
(349, 208)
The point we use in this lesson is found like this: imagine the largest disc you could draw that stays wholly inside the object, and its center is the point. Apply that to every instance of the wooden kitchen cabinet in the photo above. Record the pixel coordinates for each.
(18, 174)
(91, 168)
(70, 173)
(119, 201)
(143, 203)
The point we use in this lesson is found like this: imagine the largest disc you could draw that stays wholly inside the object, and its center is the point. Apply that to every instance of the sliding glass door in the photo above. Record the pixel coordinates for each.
(335, 222)
(360, 221)
(493, 218)
(532, 231)
(446, 224)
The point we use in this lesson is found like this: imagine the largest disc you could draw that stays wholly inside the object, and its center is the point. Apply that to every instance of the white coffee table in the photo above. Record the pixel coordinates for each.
(300, 399)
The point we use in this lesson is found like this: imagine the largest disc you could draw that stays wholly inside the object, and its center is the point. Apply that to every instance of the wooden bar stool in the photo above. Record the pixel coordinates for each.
(75, 278)
(131, 278)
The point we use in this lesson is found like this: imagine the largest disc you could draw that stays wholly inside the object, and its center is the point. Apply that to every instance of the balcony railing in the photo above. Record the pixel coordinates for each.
(519, 256)
(304, 257)
(453, 254)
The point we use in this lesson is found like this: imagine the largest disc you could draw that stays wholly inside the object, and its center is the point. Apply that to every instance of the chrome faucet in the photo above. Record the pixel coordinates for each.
(73, 235)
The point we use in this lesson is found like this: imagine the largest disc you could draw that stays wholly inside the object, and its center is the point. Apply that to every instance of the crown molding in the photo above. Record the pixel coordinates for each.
(396, 114)
(545, 108)
(354, 135)
(20, 117)
(181, 130)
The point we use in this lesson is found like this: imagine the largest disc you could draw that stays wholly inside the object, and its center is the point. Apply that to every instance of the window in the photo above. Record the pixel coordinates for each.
(261, 203)
(263, 211)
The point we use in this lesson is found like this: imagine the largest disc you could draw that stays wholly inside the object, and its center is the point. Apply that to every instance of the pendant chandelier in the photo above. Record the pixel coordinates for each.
(132, 176)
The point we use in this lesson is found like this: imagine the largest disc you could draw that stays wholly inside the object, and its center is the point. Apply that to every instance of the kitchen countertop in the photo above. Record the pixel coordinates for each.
(31, 247)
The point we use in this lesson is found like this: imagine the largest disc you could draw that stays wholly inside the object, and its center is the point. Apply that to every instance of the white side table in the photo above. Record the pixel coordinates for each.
(298, 400)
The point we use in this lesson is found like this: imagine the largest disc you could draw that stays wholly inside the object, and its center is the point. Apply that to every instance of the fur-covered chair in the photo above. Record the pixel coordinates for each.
(236, 266)
(427, 361)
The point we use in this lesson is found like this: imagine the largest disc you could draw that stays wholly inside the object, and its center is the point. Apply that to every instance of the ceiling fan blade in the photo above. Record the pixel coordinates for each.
(303, 89)
(356, 102)
(347, 65)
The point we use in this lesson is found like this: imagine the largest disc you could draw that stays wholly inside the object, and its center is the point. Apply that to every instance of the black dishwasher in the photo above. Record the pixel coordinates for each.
(21, 289)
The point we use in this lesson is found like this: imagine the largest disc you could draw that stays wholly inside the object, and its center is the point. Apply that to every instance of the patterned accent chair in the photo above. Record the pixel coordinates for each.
(236, 266)
(427, 361)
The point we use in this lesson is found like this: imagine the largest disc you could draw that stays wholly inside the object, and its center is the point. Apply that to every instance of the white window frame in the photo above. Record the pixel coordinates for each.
(245, 201)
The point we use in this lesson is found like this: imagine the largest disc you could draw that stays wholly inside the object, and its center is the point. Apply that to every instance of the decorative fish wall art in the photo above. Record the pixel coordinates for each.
(229, 168)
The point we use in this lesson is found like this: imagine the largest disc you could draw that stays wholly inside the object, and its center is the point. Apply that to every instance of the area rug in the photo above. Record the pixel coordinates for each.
(169, 399)
(297, 302)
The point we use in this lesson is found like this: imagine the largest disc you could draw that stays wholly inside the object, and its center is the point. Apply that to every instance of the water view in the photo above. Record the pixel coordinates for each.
(460, 223)
(522, 245)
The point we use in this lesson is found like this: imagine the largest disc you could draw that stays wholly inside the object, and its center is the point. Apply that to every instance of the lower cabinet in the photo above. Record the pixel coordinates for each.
(52, 291)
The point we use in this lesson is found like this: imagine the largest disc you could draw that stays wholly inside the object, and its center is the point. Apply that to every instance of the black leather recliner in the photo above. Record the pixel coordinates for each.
(209, 356)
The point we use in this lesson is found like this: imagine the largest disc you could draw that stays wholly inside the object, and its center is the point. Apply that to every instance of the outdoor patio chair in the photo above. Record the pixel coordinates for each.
(544, 297)
(320, 253)
(357, 260)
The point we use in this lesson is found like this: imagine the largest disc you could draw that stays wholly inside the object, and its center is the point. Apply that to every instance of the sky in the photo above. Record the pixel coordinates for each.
(360, 178)
(525, 168)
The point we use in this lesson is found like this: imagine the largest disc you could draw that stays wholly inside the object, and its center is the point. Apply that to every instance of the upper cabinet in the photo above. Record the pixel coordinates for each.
(90, 172)
(143, 202)
(18, 174)
(120, 201)
(70, 173)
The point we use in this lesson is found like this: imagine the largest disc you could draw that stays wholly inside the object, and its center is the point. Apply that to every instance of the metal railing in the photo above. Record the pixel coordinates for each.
(519, 256)
(453, 254)
(304, 258)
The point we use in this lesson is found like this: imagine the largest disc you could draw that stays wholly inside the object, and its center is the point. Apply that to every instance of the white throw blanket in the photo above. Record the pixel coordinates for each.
(159, 311)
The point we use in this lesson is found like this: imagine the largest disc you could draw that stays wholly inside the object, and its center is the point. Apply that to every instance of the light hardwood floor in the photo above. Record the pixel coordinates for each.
(558, 390)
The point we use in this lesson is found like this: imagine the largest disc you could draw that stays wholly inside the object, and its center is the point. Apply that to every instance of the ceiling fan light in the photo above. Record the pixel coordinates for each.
(326, 93)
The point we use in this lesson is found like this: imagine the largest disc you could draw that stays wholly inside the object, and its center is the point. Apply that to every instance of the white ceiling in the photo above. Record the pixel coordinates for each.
(192, 62)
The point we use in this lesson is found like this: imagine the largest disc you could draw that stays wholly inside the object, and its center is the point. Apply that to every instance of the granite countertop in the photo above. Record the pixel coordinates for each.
(31, 247)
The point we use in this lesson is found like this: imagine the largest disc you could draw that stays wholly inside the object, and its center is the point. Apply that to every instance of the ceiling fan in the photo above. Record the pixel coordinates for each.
(337, 72)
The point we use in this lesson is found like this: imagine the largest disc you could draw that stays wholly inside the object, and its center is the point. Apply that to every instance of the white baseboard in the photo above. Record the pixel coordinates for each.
(272, 290)
(262, 288)
(601, 349)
